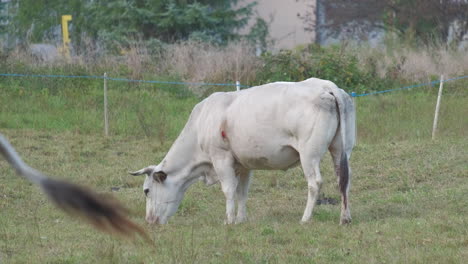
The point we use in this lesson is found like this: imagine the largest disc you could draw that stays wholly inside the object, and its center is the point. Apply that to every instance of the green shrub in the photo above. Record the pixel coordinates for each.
(330, 63)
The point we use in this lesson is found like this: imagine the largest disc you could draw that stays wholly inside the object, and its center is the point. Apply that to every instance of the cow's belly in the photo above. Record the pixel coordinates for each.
(261, 155)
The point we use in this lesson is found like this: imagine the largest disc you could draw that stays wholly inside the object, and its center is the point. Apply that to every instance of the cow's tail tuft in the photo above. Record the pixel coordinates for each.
(344, 176)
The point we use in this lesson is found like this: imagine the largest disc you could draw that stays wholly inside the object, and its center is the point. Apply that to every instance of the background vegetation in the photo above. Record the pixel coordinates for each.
(407, 191)
(160, 110)
(119, 23)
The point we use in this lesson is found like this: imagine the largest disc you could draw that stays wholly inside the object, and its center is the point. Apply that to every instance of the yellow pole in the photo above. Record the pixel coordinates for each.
(65, 36)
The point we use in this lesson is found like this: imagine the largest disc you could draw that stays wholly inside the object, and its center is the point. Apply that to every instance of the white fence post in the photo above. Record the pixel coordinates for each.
(353, 95)
(106, 122)
(436, 115)
(237, 85)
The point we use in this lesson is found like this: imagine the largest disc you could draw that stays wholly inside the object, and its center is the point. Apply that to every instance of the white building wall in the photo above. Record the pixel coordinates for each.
(284, 19)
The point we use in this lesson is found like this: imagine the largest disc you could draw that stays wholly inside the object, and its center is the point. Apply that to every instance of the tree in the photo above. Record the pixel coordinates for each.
(166, 20)
(3, 17)
(34, 20)
(425, 19)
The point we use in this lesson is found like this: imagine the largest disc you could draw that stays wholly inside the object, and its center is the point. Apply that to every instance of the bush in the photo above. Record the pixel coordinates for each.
(330, 63)
(357, 69)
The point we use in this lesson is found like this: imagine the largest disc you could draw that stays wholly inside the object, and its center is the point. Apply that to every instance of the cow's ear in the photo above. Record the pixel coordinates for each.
(160, 176)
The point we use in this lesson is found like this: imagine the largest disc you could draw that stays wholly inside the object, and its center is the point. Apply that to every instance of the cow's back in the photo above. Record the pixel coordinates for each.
(265, 125)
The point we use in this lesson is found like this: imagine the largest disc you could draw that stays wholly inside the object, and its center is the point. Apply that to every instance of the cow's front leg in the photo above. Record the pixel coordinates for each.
(227, 177)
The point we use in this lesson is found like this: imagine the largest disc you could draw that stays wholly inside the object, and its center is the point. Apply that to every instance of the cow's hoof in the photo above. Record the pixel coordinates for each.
(345, 221)
(241, 220)
(227, 222)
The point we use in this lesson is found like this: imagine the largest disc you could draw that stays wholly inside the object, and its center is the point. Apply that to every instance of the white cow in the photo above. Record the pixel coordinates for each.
(273, 126)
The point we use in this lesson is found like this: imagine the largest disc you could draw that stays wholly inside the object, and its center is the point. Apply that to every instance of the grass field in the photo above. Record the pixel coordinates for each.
(408, 194)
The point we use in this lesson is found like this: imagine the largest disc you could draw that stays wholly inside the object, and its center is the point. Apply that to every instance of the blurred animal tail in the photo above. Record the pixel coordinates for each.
(102, 212)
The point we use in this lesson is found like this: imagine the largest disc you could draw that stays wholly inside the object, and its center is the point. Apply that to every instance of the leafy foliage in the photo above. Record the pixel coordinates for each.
(35, 20)
(123, 20)
(259, 34)
(3, 16)
(330, 63)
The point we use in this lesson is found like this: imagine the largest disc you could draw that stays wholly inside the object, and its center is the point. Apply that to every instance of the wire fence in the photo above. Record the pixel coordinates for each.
(118, 79)
(353, 94)
(408, 87)
(127, 110)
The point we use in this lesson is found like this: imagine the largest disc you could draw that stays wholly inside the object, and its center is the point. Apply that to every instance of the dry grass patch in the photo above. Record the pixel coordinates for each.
(413, 64)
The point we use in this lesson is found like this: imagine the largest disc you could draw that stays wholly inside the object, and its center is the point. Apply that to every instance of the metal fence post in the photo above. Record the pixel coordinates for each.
(106, 121)
(353, 95)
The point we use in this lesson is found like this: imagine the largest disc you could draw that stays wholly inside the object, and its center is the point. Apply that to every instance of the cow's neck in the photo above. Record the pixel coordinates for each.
(185, 159)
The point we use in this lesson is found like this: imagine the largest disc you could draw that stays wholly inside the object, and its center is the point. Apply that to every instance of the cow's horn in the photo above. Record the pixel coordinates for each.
(148, 170)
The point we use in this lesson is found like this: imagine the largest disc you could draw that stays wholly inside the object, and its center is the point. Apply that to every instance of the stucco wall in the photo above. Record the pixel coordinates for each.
(283, 17)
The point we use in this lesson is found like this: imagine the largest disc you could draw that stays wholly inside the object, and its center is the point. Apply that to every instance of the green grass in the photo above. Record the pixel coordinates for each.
(409, 115)
(408, 194)
(140, 110)
(161, 111)
(408, 205)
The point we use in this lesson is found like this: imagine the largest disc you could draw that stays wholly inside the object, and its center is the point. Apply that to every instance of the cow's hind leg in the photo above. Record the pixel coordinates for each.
(311, 168)
(341, 164)
(242, 191)
(311, 152)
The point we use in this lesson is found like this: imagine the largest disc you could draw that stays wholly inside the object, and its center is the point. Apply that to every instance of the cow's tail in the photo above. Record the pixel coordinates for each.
(344, 166)
(104, 213)
(12, 157)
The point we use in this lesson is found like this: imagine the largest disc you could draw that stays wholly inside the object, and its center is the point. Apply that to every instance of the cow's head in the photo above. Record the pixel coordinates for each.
(163, 194)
